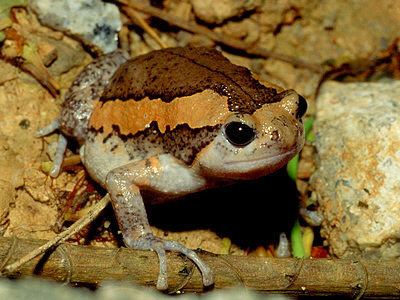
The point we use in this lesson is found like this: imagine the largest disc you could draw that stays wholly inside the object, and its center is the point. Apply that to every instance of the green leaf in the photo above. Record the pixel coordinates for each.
(6, 5)
(308, 125)
(310, 137)
(226, 245)
(297, 241)
(293, 164)
(292, 167)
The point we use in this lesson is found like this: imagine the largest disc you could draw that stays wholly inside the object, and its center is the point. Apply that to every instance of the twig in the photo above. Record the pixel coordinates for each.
(73, 229)
(217, 37)
(71, 160)
(42, 77)
(142, 23)
(93, 265)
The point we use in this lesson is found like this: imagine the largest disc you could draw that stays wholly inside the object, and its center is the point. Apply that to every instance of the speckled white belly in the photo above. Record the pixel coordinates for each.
(101, 157)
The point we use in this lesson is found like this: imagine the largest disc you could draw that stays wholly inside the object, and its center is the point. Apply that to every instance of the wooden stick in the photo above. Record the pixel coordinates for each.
(217, 37)
(91, 265)
(71, 160)
(42, 77)
(137, 18)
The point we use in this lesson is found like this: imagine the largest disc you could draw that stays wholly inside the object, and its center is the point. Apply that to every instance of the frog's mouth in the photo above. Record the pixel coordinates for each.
(268, 160)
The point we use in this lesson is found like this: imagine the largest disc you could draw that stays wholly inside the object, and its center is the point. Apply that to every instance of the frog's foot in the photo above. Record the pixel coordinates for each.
(61, 146)
(150, 242)
(58, 156)
(157, 173)
(53, 126)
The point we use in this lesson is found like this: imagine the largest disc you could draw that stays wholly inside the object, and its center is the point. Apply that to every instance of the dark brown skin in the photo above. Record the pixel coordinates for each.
(199, 69)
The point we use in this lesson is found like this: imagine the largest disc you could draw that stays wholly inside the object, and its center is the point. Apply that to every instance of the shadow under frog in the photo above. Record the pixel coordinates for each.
(250, 213)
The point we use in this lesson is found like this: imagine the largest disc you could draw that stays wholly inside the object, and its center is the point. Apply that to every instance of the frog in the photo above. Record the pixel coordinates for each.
(172, 122)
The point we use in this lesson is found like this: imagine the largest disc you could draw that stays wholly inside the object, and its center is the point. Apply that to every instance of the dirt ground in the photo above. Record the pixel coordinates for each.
(37, 60)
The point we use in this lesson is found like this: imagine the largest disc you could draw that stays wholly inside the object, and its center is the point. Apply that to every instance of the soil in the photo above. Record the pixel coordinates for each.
(32, 205)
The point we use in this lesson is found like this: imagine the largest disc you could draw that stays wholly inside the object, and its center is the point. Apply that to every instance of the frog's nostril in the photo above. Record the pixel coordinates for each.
(275, 136)
(301, 107)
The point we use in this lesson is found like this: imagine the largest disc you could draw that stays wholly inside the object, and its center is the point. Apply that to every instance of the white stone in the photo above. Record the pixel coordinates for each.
(94, 21)
(358, 176)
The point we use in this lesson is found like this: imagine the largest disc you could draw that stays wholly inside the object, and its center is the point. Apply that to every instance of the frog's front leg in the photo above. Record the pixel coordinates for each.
(164, 174)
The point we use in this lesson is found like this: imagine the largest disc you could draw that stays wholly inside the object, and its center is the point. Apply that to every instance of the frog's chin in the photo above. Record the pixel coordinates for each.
(256, 167)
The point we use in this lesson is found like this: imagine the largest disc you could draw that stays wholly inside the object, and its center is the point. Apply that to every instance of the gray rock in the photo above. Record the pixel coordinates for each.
(93, 21)
(36, 289)
(358, 176)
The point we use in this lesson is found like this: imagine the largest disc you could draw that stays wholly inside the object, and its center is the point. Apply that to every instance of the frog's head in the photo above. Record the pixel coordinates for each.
(252, 145)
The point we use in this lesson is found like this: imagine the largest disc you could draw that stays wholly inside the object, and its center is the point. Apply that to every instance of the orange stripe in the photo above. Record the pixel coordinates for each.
(203, 109)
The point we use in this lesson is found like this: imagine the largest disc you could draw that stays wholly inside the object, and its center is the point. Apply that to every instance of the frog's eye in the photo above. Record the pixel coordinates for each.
(301, 108)
(239, 134)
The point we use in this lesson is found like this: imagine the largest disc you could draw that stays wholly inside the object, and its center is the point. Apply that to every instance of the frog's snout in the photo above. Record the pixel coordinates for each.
(295, 104)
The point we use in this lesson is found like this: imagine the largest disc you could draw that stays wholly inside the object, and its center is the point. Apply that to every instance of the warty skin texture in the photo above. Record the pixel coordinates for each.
(138, 135)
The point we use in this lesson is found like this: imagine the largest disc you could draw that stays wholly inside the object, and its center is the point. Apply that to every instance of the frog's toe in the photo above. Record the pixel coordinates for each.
(61, 146)
(150, 242)
(207, 276)
(59, 156)
(162, 281)
(53, 126)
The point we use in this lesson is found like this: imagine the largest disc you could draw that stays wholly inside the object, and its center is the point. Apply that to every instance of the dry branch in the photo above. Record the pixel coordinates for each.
(90, 265)
(142, 23)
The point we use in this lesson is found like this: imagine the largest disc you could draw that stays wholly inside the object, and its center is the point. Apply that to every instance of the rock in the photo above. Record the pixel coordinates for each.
(273, 15)
(36, 288)
(215, 12)
(358, 174)
(94, 21)
(247, 30)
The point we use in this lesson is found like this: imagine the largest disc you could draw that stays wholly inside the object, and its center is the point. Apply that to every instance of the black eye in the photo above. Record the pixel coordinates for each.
(239, 134)
(301, 108)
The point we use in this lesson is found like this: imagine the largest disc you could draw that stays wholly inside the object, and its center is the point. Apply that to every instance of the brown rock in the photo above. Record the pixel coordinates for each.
(216, 12)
